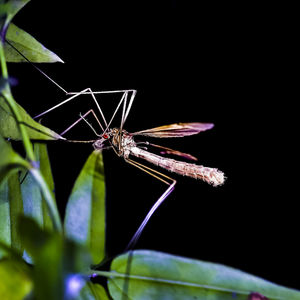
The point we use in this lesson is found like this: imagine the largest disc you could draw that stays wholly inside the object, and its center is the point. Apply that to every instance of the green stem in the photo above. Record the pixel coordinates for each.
(7, 94)
(3, 62)
(28, 148)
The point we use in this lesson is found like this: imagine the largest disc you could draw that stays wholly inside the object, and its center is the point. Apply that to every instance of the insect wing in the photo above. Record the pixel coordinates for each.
(165, 150)
(175, 130)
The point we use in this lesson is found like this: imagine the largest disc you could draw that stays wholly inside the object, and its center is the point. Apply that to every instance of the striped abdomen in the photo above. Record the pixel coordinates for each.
(210, 175)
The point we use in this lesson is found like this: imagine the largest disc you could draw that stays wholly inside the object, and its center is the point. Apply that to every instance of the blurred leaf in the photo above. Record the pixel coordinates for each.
(33, 237)
(5, 229)
(11, 207)
(55, 260)
(85, 213)
(3, 82)
(9, 252)
(10, 161)
(48, 268)
(8, 9)
(10, 197)
(33, 50)
(155, 275)
(92, 291)
(9, 127)
(33, 202)
(16, 209)
(46, 250)
(15, 283)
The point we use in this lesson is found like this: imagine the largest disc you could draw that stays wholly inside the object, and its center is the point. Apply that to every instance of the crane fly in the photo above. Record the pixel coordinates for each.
(124, 145)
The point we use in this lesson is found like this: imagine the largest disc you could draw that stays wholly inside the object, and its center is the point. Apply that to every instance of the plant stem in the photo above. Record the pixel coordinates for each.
(53, 212)
(3, 62)
(7, 94)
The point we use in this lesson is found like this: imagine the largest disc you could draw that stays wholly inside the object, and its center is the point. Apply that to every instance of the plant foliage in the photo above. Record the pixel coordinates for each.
(40, 260)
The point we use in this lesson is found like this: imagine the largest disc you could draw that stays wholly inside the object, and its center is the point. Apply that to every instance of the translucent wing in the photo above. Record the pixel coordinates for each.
(165, 150)
(175, 130)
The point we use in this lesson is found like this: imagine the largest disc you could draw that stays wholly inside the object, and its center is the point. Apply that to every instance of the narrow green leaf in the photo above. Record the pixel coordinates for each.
(9, 127)
(16, 209)
(85, 214)
(15, 283)
(28, 46)
(33, 200)
(92, 291)
(5, 228)
(10, 197)
(41, 153)
(154, 275)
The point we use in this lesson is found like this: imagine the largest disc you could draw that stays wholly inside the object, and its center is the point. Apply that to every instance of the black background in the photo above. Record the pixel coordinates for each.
(212, 63)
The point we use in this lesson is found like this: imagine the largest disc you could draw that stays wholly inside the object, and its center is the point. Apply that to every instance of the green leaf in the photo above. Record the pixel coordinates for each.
(11, 203)
(10, 197)
(33, 200)
(5, 229)
(155, 275)
(15, 283)
(9, 252)
(85, 212)
(46, 251)
(33, 50)
(56, 260)
(9, 127)
(8, 10)
(92, 291)
(10, 161)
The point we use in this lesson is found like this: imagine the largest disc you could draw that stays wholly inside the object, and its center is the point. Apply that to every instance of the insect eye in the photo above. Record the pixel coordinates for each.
(105, 136)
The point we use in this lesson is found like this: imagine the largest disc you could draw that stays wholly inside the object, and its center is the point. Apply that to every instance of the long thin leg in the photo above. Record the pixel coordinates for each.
(83, 118)
(89, 92)
(102, 92)
(123, 112)
(71, 98)
(126, 109)
(76, 94)
(129, 107)
(124, 97)
(167, 192)
(60, 104)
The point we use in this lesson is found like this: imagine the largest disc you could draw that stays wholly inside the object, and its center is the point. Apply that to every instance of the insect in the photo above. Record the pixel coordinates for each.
(124, 145)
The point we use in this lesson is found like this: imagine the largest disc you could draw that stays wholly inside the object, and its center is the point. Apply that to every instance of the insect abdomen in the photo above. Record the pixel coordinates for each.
(210, 175)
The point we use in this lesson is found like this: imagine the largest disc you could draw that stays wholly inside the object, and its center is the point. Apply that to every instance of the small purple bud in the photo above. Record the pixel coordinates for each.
(74, 284)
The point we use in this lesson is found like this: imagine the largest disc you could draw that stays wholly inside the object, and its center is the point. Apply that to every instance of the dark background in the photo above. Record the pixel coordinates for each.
(212, 63)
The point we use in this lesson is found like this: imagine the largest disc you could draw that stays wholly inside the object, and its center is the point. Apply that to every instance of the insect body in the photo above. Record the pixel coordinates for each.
(124, 145)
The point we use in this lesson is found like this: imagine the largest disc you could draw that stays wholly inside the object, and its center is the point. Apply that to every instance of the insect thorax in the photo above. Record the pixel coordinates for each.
(122, 141)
